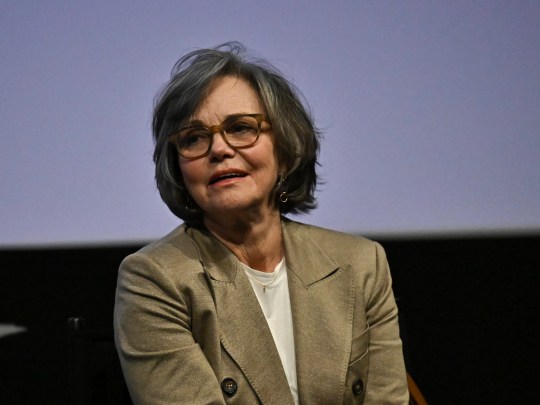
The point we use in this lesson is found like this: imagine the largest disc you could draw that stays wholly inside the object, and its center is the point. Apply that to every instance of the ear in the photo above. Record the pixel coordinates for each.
(281, 178)
(283, 170)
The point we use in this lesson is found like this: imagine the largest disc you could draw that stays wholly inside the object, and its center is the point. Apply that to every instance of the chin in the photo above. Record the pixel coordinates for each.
(237, 207)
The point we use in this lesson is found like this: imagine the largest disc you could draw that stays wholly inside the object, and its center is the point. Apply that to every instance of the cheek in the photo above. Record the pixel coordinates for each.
(268, 174)
(267, 156)
(191, 174)
(264, 163)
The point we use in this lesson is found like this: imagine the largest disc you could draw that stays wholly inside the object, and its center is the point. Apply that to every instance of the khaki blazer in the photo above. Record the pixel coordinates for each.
(186, 319)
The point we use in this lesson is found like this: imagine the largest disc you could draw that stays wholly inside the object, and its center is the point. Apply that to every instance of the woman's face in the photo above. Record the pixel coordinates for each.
(228, 181)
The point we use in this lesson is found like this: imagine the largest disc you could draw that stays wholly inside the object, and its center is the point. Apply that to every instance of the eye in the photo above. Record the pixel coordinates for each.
(193, 137)
(241, 126)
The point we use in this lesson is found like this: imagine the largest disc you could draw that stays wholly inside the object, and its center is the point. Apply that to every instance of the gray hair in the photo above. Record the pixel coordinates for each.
(296, 139)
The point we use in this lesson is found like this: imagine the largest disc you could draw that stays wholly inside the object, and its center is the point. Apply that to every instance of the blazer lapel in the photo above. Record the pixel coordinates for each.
(322, 298)
(244, 332)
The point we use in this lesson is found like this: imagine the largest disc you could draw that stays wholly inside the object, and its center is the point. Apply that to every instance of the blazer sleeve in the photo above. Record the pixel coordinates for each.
(387, 381)
(161, 361)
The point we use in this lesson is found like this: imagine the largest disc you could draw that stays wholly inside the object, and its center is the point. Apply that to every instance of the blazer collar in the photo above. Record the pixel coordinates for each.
(304, 257)
(217, 260)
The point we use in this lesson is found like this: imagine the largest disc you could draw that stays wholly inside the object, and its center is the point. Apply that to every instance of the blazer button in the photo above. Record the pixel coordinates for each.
(357, 386)
(229, 386)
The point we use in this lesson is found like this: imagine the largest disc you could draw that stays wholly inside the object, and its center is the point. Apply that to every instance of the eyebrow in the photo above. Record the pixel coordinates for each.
(199, 123)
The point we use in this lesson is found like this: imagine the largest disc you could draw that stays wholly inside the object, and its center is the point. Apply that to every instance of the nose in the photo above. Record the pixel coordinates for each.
(219, 149)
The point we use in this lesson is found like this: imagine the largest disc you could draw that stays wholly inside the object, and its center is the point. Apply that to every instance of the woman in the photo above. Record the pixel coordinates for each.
(239, 304)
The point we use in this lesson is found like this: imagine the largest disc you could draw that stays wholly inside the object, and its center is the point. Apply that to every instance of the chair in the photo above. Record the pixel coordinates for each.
(95, 376)
(416, 397)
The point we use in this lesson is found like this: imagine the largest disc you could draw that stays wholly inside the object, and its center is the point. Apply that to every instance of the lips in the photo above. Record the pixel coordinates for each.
(226, 175)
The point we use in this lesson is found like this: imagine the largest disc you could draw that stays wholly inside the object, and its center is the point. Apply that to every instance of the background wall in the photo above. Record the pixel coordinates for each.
(430, 110)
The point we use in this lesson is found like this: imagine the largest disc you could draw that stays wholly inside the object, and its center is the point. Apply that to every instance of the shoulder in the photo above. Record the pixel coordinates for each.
(331, 241)
(174, 243)
(172, 256)
(366, 258)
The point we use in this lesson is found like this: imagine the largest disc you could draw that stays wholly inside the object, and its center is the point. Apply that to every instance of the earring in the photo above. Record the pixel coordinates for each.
(280, 181)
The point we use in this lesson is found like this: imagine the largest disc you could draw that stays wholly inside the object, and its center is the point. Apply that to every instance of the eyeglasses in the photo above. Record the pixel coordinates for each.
(239, 131)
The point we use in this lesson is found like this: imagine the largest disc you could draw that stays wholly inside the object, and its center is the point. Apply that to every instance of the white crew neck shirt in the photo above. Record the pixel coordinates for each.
(275, 303)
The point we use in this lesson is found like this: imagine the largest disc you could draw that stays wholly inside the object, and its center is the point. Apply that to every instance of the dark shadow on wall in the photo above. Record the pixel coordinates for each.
(468, 307)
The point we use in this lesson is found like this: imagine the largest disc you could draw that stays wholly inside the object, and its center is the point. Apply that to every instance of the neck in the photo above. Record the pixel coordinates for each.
(256, 242)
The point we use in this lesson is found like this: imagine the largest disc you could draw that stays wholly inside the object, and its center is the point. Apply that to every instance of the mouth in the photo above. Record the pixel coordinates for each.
(226, 176)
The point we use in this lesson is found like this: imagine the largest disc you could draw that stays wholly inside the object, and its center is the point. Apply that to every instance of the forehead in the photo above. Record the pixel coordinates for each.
(226, 96)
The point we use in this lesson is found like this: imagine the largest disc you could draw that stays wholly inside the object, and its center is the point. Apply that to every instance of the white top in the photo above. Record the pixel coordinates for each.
(272, 291)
